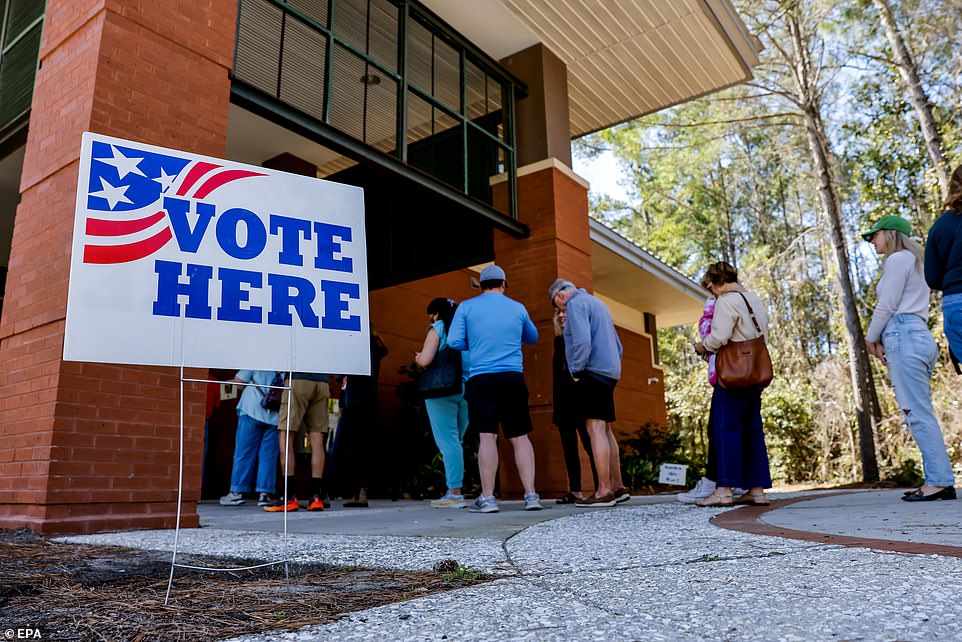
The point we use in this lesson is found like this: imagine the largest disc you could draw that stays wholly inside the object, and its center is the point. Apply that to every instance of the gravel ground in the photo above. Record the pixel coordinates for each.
(651, 572)
(664, 573)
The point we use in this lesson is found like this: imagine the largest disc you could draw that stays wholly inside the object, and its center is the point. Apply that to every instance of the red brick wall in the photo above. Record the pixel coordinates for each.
(398, 314)
(638, 402)
(87, 446)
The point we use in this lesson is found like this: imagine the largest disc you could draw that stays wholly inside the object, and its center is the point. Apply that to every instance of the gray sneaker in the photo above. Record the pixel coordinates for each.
(232, 499)
(484, 505)
(532, 502)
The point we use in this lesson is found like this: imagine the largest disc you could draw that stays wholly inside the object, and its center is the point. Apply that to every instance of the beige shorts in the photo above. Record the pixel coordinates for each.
(308, 405)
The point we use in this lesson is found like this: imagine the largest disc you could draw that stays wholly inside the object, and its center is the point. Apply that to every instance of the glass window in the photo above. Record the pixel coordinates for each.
(258, 53)
(19, 53)
(419, 55)
(302, 77)
(342, 67)
(316, 10)
(383, 33)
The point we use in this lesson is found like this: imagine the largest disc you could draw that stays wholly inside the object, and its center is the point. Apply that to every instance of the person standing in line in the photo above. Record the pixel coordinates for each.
(255, 443)
(355, 440)
(448, 415)
(943, 265)
(492, 327)
(706, 485)
(593, 351)
(737, 413)
(567, 416)
(899, 337)
(308, 402)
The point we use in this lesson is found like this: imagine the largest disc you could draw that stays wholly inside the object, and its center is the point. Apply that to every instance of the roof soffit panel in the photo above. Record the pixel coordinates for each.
(625, 59)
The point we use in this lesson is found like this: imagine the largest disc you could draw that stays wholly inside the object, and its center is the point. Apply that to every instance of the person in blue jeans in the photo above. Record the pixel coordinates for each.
(255, 445)
(943, 265)
(448, 415)
(899, 336)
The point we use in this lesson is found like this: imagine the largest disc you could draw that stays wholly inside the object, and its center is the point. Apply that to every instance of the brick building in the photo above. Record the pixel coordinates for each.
(456, 118)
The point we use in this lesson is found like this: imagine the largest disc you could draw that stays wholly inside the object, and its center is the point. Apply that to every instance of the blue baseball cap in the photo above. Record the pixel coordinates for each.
(492, 273)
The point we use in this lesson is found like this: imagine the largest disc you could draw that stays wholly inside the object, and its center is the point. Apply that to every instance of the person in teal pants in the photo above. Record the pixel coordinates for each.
(448, 415)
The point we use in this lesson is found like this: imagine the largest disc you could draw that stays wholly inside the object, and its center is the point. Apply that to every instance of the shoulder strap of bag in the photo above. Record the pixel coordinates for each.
(751, 312)
(277, 374)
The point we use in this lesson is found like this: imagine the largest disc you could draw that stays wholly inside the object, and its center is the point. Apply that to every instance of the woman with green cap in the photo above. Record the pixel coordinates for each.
(899, 336)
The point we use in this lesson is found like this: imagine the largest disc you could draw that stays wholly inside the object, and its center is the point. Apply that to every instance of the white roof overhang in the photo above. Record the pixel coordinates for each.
(625, 59)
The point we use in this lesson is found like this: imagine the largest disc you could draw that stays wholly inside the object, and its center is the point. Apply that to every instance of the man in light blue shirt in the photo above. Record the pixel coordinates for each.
(255, 445)
(493, 327)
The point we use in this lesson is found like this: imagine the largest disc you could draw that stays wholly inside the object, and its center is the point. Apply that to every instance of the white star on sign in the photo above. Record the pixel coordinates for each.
(123, 164)
(113, 195)
(166, 180)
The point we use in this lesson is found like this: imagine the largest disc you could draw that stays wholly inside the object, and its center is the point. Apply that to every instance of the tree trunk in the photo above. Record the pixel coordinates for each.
(912, 84)
(863, 386)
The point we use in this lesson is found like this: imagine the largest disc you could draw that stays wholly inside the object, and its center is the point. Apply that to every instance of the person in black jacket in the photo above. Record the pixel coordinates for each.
(567, 417)
(943, 265)
(349, 463)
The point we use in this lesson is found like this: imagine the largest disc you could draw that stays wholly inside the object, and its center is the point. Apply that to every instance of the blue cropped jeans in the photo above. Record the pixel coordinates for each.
(256, 443)
(911, 353)
(449, 421)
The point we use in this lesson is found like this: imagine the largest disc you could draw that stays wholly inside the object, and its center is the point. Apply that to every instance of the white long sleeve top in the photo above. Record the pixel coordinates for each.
(901, 290)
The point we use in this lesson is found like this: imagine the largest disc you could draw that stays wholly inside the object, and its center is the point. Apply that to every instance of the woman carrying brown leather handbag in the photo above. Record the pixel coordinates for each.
(736, 427)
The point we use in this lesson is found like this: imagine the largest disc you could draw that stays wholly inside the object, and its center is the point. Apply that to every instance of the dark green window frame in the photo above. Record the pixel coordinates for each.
(307, 54)
(21, 23)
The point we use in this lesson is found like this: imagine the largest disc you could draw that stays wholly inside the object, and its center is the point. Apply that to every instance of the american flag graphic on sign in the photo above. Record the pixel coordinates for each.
(126, 220)
(179, 259)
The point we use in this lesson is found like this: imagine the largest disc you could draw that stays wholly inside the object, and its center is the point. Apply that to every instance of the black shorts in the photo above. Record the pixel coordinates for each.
(595, 399)
(499, 397)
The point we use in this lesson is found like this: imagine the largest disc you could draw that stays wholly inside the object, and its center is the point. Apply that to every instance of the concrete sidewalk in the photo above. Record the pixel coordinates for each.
(653, 569)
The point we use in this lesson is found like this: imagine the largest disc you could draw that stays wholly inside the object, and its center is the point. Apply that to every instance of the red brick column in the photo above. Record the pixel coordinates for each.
(86, 447)
(554, 204)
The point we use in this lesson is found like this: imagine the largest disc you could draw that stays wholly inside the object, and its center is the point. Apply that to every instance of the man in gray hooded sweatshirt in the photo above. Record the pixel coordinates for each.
(593, 352)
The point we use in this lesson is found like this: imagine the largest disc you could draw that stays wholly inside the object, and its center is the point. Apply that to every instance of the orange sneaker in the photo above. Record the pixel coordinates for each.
(278, 506)
(316, 503)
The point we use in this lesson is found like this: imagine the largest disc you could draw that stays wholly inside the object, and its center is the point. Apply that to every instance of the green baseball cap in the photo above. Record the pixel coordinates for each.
(896, 223)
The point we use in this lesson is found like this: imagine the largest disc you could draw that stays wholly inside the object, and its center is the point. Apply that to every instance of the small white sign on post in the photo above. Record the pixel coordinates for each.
(186, 260)
(673, 474)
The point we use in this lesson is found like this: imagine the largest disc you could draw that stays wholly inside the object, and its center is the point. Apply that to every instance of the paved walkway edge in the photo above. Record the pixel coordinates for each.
(746, 520)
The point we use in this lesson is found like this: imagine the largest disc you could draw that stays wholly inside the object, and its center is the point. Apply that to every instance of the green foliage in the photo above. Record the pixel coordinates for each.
(731, 177)
(463, 574)
(907, 473)
(652, 446)
(789, 432)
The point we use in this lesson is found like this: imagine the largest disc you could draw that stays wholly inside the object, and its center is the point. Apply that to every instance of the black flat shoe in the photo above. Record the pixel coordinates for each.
(910, 492)
(946, 493)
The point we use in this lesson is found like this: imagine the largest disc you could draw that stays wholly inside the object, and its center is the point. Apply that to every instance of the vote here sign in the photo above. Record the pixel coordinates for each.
(180, 259)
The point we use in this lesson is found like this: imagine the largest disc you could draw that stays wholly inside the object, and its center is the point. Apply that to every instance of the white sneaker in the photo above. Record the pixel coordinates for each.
(702, 489)
(232, 499)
